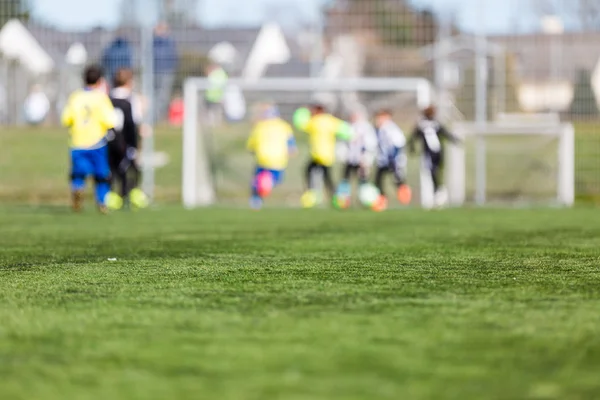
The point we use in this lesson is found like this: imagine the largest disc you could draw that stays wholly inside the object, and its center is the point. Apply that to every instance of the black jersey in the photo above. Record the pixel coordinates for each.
(127, 116)
(431, 133)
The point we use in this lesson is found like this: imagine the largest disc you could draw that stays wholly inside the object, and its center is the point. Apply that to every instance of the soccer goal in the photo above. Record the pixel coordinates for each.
(515, 160)
(216, 166)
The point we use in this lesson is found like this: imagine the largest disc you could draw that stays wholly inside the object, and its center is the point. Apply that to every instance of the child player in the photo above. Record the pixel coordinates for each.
(431, 133)
(124, 146)
(323, 129)
(360, 155)
(89, 115)
(391, 158)
(271, 141)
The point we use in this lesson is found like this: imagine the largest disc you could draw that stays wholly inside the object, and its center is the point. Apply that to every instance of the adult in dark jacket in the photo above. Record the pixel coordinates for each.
(116, 56)
(165, 69)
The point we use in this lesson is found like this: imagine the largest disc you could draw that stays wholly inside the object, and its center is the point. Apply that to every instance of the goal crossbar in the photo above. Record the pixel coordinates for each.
(197, 186)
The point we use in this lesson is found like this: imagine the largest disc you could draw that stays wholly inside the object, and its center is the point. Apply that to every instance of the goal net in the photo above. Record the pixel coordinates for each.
(217, 169)
(517, 159)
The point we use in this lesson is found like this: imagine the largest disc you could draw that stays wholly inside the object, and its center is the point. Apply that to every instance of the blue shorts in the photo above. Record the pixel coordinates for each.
(92, 162)
(277, 174)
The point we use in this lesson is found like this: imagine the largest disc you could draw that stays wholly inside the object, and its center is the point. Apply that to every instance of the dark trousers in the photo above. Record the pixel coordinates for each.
(393, 168)
(312, 167)
(125, 173)
(351, 170)
(434, 162)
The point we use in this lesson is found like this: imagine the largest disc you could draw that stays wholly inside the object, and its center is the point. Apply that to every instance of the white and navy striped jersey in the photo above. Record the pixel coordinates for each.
(363, 143)
(391, 141)
(431, 133)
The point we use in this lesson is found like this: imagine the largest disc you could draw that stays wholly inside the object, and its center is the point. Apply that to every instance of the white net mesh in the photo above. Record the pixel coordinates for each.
(230, 166)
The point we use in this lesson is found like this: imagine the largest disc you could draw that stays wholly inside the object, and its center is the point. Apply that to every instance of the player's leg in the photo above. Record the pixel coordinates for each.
(382, 202)
(344, 190)
(404, 192)
(435, 168)
(256, 200)
(99, 158)
(328, 180)
(379, 176)
(309, 175)
(440, 193)
(80, 169)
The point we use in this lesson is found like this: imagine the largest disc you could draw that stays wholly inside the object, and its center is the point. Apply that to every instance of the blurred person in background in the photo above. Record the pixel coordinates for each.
(431, 134)
(360, 153)
(271, 142)
(215, 94)
(124, 144)
(90, 115)
(391, 158)
(165, 69)
(323, 130)
(117, 55)
(37, 106)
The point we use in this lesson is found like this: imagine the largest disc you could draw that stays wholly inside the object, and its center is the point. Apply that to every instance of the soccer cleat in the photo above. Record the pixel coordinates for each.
(441, 198)
(103, 209)
(404, 194)
(309, 199)
(113, 201)
(77, 200)
(380, 205)
(138, 199)
(256, 203)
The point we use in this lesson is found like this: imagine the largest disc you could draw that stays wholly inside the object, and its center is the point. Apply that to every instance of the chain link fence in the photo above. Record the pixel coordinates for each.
(534, 56)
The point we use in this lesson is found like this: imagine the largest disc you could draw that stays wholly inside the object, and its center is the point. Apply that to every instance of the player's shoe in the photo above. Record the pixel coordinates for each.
(138, 198)
(380, 205)
(404, 194)
(113, 201)
(441, 198)
(77, 201)
(309, 199)
(103, 209)
(256, 203)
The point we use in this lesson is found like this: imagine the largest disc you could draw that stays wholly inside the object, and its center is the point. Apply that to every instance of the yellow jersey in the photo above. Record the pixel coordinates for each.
(323, 130)
(89, 114)
(270, 141)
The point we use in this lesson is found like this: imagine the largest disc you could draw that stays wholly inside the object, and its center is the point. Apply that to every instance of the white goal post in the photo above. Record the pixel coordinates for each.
(197, 187)
(514, 127)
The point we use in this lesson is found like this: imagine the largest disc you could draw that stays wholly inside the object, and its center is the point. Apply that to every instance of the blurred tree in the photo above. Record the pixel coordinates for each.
(178, 13)
(584, 100)
(394, 22)
(190, 64)
(10, 9)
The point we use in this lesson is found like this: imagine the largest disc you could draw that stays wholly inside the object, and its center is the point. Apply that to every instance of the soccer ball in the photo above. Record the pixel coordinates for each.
(368, 195)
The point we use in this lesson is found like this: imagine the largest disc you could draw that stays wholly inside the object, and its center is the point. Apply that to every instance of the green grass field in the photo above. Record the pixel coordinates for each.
(228, 304)
(293, 304)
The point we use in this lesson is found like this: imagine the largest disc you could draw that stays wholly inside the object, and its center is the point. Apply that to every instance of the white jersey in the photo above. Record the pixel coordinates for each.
(363, 143)
(390, 138)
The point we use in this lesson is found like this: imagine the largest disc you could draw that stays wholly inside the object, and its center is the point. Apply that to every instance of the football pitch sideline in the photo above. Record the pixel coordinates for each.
(299, 304)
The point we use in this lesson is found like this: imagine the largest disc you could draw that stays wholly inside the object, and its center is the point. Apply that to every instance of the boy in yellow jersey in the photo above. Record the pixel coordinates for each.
(271, 141)
(90, 116)
(323, 129)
